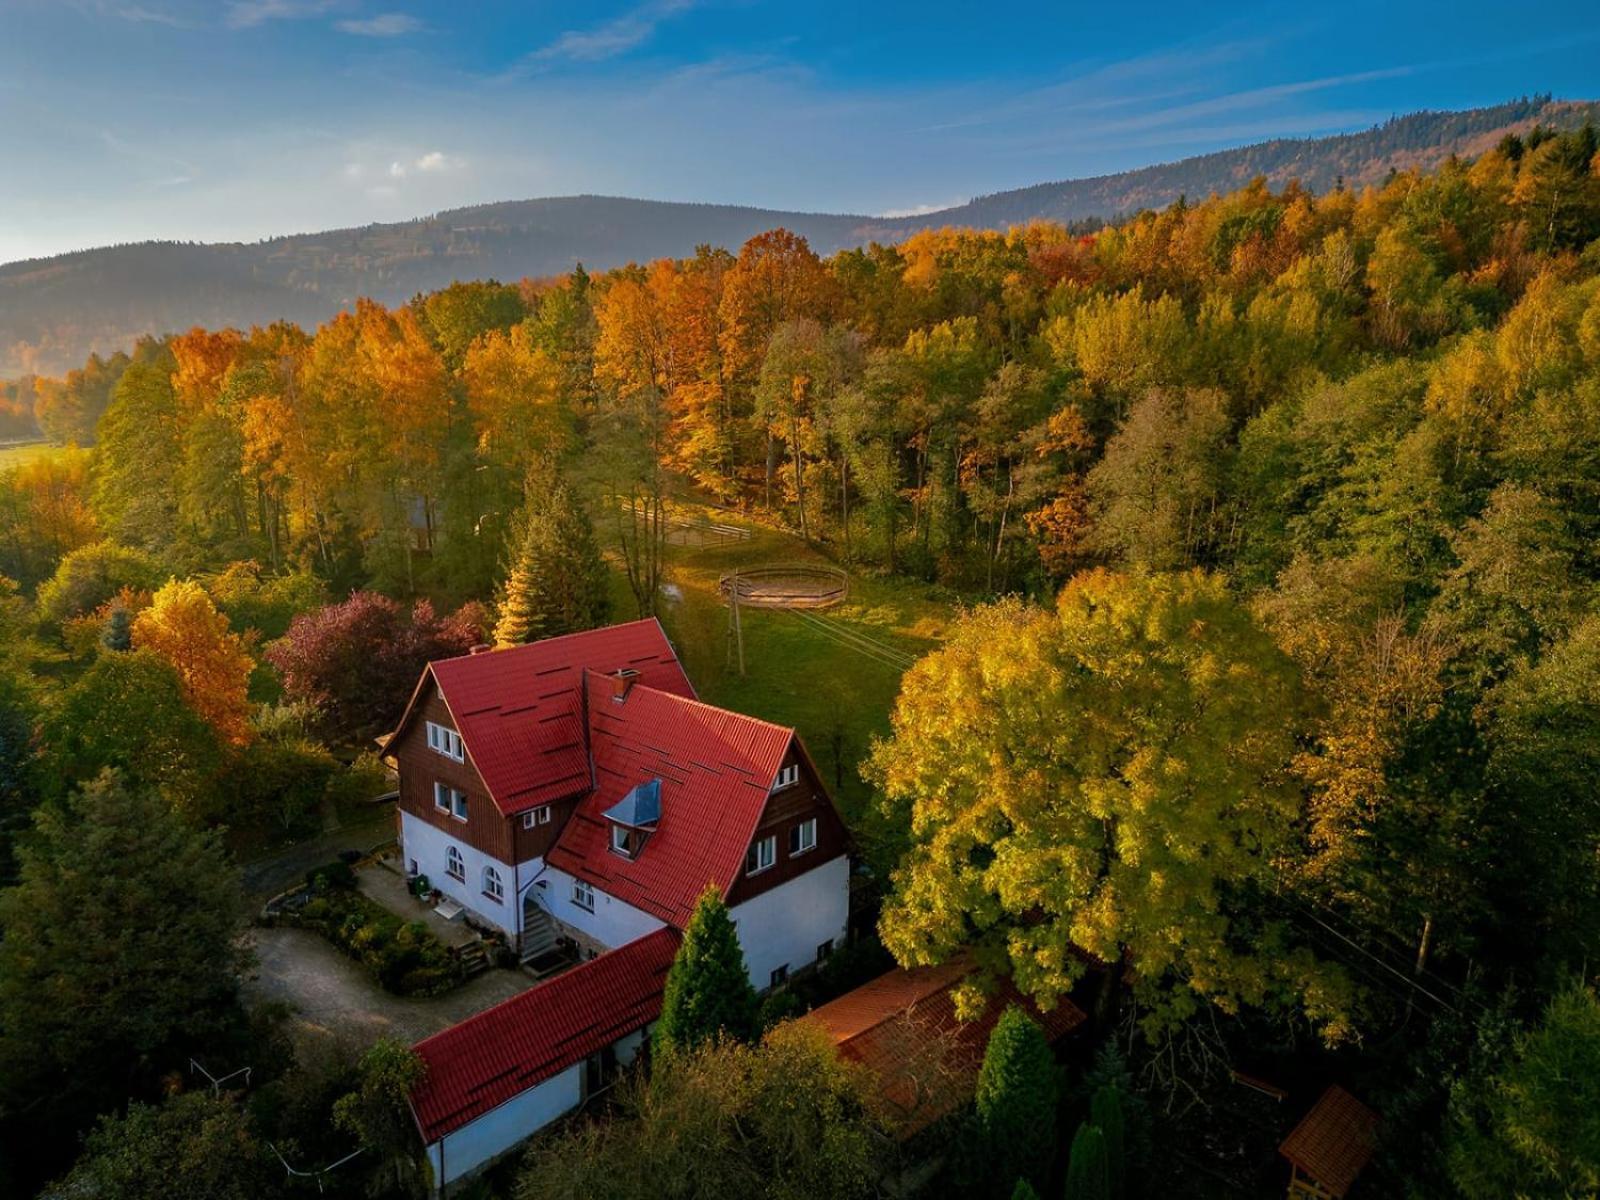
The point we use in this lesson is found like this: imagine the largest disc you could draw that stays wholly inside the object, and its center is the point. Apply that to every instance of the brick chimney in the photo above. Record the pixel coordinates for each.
(481, 648)
(622, 683)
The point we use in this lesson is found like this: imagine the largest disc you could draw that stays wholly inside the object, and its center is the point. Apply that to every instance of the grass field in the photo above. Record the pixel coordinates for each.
(16, 454)
(838, 697)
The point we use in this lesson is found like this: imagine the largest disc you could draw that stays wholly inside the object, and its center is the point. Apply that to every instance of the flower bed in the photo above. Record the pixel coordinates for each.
(405, 957)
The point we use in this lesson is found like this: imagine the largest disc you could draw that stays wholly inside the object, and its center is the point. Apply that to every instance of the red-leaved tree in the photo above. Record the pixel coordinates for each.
(359, 660)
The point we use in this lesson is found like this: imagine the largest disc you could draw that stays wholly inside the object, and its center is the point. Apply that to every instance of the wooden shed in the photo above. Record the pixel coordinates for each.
(1330, 1146)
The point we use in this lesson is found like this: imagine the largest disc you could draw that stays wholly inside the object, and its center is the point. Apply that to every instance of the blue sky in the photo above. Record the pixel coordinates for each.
(237, 119)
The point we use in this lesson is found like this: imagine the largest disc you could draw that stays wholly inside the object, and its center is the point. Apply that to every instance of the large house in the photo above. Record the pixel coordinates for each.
(575, 788)
(575, 791)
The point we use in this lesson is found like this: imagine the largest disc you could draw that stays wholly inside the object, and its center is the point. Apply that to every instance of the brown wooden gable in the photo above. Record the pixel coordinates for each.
(420, 767)
(785, 809)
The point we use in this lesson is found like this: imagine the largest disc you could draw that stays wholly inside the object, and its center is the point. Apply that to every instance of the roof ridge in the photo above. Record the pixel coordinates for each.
(560, 637)
(698, 703)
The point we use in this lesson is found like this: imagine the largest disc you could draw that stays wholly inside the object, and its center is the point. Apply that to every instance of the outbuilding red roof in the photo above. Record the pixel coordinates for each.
(520, 710)
(716, 770)
(503, 1051)
(903, 1027)
(1333, 1141)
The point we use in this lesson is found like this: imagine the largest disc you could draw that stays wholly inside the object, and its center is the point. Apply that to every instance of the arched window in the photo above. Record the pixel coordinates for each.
(492, 886)
(454, 865)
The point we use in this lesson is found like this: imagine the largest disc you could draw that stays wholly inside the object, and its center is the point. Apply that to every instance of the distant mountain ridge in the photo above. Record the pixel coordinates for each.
(54, 311)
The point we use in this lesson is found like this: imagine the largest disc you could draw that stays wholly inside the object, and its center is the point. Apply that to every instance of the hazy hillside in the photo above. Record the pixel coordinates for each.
(54, 311)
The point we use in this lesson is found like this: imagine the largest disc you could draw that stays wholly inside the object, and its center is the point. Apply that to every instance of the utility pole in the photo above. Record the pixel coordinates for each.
(735, 626)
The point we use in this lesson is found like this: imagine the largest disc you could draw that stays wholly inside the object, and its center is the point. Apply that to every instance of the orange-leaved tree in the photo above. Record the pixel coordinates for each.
(183, 626)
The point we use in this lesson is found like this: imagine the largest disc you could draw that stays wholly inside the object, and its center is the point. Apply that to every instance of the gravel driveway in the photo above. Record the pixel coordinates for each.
(334, 996)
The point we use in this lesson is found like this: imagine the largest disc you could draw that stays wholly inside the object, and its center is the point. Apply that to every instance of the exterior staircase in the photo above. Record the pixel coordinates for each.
(538, 933)
(474, 959)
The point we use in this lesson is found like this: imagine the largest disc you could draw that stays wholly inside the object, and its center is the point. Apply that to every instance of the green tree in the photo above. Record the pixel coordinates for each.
(708, 993)
(140, 460)
(556, 581)
(19, 783)
(128, 711)
(1088, 1174)
(1015, 1103)
(118, 631)
(378, 1112)
(1024, 1191)
(1105, 1113)
(1536, 1133)
(190, 1147)
(1108, 777)
(121, 953)
(787, 1119)
(92, 575)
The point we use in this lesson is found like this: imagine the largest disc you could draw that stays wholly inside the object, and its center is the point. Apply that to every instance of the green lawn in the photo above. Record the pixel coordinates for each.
(796, 675)
(16, 454)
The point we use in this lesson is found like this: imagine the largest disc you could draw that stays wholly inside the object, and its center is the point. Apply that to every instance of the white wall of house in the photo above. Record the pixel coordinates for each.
(498, 1130)
(784, 926)
(613, 922)
(428, 847)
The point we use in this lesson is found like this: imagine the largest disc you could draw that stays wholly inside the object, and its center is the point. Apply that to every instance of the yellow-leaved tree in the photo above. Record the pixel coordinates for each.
(183, 626)
(1109, 780)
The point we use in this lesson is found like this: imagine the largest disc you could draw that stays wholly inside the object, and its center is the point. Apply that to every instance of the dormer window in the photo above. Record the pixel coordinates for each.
(627, 842)
(446, 741)
(787, 777)
(634, 818)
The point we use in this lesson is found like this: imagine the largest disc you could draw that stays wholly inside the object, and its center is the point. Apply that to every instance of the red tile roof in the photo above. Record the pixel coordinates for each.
(520, 711)
(903, 1027)
(1333, 1141)
(716, 769)
(505, 1050)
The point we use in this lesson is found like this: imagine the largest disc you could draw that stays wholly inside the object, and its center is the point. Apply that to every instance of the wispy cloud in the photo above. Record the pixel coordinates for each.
(434, 160)
(384, 25)
(612, 38)
(152, 16)
(247, 14)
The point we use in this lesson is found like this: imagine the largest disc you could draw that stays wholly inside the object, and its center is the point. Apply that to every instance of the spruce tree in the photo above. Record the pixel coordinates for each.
(1088, 1176)
(1105, 1112)
(1016, 1097)
(1024, 1191)
(117, 633)
(708, 992)
(556, 581)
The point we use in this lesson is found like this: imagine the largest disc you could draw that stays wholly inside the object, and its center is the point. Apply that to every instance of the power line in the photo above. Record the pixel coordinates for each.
(864, 646)
(856, 638)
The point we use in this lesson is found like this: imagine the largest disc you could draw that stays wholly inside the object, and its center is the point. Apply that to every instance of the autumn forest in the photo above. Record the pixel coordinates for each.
(1354, 436)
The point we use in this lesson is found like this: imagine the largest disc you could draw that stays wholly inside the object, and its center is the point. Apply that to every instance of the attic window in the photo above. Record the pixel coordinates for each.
(446, 741)
(627, 842)
(787, 777)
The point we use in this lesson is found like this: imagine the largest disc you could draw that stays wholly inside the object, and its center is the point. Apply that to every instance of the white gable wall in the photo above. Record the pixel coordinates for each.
(498, 1130)
(784, 926)
(427, 846)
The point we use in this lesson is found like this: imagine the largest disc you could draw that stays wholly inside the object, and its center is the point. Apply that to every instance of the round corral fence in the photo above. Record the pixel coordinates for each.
(786, 585)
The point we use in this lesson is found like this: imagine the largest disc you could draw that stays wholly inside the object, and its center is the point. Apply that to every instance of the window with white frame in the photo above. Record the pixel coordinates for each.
(454, 865)
(450, 800)
(787, 777)
(446, 741)
(763, 853)
(535, 817)
(492, 887)
(803, 837)
(583, 894)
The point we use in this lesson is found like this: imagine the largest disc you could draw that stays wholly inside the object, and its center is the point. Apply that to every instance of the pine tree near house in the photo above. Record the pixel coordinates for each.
(1105, 1112)
(1088, 1173)
(708, 993)
(555, 579)
(1024, 1191)
(1016, 1097)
